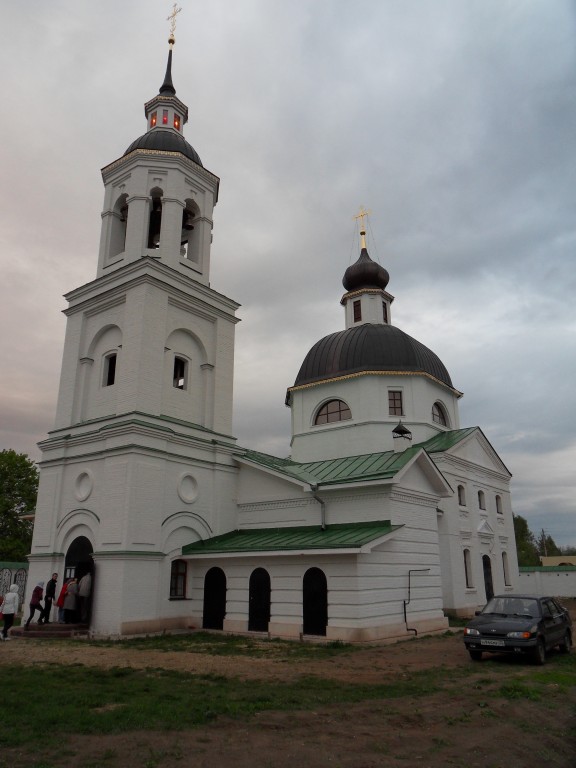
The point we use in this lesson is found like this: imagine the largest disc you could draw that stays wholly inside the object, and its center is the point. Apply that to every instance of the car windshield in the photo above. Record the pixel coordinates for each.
(513, 606)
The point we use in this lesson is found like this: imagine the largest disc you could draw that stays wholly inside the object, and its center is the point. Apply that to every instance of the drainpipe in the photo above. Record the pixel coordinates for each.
(406, 602)
(314, 488)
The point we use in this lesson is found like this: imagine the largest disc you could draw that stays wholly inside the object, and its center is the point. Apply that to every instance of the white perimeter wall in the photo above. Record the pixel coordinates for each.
(558, 582)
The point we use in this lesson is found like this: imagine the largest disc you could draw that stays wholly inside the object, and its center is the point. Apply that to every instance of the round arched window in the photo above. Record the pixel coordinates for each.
(439, 415)
(333, 410)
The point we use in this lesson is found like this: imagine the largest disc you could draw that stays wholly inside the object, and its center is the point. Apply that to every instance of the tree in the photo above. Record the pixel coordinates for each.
(525, 542)
(18, 489)
(546, 545)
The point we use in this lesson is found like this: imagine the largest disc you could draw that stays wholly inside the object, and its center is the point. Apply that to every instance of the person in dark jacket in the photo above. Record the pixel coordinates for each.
(36, 603)
(48, 599)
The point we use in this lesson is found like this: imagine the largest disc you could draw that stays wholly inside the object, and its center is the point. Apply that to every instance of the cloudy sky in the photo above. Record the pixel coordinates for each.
(453, 121)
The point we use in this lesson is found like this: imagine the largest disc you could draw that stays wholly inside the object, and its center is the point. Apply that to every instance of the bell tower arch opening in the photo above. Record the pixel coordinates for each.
(117, 242)
(155, 217)
(190, 239)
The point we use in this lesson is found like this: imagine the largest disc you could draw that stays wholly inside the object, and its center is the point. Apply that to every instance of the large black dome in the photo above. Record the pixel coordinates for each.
(165, 141)
(369, 347)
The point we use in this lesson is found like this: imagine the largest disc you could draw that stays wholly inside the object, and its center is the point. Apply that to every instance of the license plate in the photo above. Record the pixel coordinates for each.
(497, 643)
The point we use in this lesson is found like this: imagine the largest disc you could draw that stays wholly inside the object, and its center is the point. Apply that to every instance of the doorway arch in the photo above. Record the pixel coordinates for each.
(314, 602)
(259, 601)
(78, 558)
(488, 583)
(77, 564)
(214, 599)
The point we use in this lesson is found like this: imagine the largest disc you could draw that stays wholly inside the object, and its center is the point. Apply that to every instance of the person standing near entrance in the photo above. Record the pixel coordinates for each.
(49, 598)
(70, 613)
(84, 590)
(10, 609)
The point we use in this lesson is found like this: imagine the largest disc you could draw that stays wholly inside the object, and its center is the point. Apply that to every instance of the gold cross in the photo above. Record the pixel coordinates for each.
(172, 18)
(362, 215)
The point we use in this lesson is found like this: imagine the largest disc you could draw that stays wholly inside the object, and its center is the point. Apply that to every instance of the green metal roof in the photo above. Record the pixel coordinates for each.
(350, 469)
(369, 466)
(445, 440)
(342, 536)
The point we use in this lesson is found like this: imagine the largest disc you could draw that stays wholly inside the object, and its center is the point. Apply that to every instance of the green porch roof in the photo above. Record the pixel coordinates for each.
(340, 536)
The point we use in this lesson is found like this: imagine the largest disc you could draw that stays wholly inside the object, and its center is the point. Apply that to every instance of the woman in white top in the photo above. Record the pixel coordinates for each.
(9, 609)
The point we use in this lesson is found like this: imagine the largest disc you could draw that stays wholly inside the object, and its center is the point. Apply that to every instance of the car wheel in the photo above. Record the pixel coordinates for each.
(539, 653)
(566, 644)
(475, 655)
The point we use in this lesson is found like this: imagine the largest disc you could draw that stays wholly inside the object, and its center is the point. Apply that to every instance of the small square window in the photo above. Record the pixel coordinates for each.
(357, 308)
(177, 122)
(153, 118)
(164, 117)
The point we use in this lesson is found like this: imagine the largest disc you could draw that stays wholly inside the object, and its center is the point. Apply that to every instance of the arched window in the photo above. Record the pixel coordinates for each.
(180, 374)
(333, 410)
(109, 371)
(461, 496)
(118, 225)
(481, 500)
(259, 601)
(499, 505)
(468, 569)
(190, 235)
(505, 569)
(314, 602)
(178, 578)
(155, 219)
(439, 415)
(214, 599)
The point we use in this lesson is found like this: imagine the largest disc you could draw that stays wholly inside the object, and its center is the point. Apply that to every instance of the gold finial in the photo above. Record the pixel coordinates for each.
(172, 20)
(362, 215)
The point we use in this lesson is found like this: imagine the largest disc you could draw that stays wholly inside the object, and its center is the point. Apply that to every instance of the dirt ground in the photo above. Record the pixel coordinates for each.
(465, 725)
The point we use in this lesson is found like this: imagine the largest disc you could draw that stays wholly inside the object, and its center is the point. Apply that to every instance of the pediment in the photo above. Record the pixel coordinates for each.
(485, 529)
(421, 474)
(477, 450)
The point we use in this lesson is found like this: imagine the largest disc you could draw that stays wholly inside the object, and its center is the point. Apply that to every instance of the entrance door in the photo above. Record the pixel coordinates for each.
(314, 602)
(77, 564)
(488, 584)
(259, 601)
(214, 599)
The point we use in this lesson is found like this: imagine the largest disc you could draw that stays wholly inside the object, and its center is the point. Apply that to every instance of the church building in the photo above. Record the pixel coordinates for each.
(386, 516)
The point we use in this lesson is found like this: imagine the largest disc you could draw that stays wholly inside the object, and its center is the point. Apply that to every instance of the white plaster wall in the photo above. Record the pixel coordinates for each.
(370, 429)
(558, 583)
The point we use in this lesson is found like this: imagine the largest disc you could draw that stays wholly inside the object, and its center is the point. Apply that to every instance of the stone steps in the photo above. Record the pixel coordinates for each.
(49, 631)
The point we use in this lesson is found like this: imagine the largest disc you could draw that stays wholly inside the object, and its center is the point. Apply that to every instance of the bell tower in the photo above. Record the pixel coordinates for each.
(159, 198)
(140, 460)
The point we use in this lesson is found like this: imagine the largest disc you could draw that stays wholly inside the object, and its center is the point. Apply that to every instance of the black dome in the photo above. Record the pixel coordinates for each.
(365, 273)
(165, 141)
(369, 347)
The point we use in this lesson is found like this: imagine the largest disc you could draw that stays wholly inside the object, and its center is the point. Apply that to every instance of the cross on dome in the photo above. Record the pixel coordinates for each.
(362, 215)
(172, 19)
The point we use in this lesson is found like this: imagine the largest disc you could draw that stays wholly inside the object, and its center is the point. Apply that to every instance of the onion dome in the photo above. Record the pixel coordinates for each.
(369, 348)
(160, 140)
(365, 273)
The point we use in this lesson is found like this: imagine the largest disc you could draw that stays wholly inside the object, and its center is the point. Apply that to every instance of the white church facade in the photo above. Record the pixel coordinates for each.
(386, 516)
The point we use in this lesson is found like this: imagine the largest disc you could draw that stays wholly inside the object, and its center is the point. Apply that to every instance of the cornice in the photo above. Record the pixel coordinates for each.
(347, 376)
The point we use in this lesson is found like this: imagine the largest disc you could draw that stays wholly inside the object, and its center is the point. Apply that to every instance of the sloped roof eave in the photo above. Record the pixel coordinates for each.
(344, 538)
